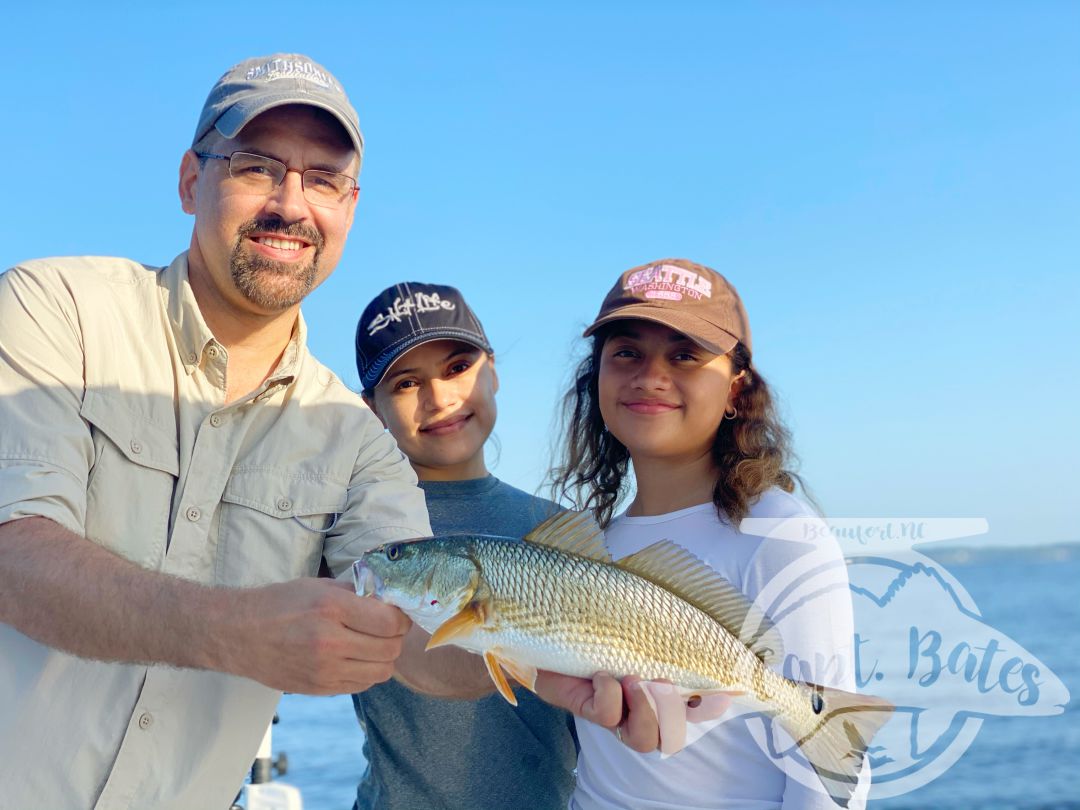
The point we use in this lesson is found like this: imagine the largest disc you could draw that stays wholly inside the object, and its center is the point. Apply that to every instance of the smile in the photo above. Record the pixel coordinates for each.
(282, 244)
(447, 426)
(649, 407)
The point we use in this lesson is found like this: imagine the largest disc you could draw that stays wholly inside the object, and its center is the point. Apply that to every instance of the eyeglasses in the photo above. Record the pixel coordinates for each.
(257, 174)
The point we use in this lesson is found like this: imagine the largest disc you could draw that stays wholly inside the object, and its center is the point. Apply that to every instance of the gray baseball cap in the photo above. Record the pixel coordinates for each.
(264, 82)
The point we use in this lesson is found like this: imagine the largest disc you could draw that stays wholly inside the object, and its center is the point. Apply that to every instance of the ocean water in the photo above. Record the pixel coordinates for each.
(1021, 763)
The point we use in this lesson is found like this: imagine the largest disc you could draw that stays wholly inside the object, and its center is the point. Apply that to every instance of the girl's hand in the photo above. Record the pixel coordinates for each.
(623, 708)
(598, 700)
(640, 728)
(643, 715)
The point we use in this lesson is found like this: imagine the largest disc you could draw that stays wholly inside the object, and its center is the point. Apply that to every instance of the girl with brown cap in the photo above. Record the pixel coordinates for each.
(670, 387)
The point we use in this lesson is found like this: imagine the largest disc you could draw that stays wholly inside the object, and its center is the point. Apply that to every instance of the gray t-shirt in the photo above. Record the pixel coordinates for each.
(428, 753)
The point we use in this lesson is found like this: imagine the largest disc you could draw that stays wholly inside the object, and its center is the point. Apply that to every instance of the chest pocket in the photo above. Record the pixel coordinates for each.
(131, 482)
(273, 523)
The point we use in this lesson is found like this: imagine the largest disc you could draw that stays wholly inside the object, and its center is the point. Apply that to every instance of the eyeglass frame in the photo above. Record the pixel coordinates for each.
(354, 193)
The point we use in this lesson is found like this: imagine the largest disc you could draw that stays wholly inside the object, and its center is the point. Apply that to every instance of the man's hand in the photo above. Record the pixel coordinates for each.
(308, 635)
(315, 637)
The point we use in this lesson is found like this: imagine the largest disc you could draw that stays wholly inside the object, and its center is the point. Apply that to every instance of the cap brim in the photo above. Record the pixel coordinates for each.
(239, 115)
(710, 337)
(392, 356)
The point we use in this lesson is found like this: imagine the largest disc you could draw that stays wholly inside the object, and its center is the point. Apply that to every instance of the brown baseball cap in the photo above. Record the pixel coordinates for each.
(688, 297)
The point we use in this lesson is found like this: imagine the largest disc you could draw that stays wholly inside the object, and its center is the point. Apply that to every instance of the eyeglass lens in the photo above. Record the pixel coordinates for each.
(262, 174)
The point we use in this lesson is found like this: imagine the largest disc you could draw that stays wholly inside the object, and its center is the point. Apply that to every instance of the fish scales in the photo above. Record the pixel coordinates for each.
(548, 601)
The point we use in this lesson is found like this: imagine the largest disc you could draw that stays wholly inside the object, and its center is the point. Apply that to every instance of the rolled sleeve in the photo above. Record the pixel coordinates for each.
(384, 503)
(45, 446)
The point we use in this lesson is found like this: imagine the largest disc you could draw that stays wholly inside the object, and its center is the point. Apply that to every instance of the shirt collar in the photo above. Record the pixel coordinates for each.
(192, 334)
(289, 365)
(189, 329)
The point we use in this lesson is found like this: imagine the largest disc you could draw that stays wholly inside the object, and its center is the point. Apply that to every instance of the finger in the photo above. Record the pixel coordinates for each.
(708, 707)
(374, 618)
(640, 730)
(364, 648)
(364, 675)
(670, 709)
(563, 691)
(605, 706)
(351, 677)
(341, 584)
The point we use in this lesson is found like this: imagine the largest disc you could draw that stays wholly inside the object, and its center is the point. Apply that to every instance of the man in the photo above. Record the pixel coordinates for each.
(167, 438)
(173, 466)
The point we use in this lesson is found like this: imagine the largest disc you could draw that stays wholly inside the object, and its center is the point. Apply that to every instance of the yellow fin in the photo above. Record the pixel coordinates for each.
(836, 744)
(470, 617)
(522, 673)
(674, 568)
(574, 533)
(495, 671)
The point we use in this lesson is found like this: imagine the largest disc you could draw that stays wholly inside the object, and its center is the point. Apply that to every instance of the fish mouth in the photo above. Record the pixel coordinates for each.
(365, 580)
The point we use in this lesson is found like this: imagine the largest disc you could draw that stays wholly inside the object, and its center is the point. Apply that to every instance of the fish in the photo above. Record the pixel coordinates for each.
(556, 600)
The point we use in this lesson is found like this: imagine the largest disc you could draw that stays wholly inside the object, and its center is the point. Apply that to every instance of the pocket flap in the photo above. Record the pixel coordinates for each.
(141, 441)
(284, 495)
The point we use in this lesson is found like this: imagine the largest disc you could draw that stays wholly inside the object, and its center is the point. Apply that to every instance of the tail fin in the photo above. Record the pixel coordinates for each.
(835, 739)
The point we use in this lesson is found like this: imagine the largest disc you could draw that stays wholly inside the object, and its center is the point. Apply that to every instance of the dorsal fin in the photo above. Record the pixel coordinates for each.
(574, 533)
(675, 569)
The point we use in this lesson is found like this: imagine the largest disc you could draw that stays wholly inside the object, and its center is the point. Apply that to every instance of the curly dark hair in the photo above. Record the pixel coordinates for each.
(751, 452)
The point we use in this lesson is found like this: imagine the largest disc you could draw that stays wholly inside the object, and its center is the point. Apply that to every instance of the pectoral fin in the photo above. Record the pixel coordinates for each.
(496, 673)
(461, 624)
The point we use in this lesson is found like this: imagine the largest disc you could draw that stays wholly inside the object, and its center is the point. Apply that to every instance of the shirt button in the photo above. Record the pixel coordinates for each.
(193, 358)
(212, 351)
(136, 446)
(146, 720)
(284, 504)
(215, 420)
(193, 514)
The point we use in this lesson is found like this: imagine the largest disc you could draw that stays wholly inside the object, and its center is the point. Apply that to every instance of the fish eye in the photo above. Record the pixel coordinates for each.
(393, 552)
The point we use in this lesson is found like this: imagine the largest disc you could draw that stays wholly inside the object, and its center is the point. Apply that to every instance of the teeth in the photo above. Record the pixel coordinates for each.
(283, 244)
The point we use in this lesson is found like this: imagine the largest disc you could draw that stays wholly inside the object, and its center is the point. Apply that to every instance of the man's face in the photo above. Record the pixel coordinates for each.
(262, 253)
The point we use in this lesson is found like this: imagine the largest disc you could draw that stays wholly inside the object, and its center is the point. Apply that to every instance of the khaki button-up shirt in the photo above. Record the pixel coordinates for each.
(113, 423)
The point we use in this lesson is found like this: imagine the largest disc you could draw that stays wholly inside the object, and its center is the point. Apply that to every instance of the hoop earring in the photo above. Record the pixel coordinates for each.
(734, 413)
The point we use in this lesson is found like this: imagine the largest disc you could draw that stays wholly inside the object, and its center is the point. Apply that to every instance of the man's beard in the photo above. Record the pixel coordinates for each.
(269, 284)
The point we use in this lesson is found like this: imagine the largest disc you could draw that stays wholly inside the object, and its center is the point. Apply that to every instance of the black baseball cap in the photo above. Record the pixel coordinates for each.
(406, 315)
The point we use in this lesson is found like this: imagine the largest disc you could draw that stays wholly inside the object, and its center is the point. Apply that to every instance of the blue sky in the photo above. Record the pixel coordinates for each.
(894, 189)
